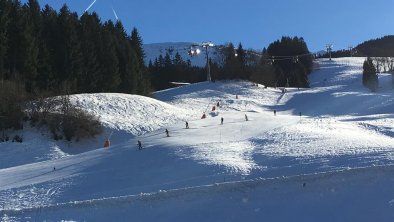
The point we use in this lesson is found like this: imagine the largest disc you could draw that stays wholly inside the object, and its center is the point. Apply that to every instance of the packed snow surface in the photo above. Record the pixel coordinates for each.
(325, 156)
(134, 114)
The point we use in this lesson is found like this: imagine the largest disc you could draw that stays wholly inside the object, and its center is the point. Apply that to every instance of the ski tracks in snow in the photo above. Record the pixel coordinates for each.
(320, 181)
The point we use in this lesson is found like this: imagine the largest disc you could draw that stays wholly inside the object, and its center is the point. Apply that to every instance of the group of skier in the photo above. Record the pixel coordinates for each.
(187, 125)
(139, 143)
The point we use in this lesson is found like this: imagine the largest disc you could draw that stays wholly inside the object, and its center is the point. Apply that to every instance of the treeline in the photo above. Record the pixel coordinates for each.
(380, 47)
(291, 72)
(373, 66)
(383, 64)
(45, 53)
(370, 76)
(165, 70)
(45, 49)
(339, 54)
(286, 62)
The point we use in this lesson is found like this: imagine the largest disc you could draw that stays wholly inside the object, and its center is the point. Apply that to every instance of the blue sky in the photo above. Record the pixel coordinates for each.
(255, 23)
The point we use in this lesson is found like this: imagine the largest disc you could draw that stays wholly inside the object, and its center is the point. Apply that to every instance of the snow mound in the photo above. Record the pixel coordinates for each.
(131, 113)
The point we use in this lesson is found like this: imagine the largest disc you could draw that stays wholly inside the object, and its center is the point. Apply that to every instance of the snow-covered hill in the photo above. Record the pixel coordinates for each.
(123, 117)
(131, 113)
(317, 166)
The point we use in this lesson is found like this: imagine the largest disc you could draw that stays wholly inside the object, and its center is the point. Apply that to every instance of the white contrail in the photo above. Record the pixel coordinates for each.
(116, 16)
(90, 6)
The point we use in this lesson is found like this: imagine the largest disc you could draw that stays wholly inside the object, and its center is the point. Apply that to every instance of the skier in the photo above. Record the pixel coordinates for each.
(139, 145)
(217, 104)
(246, 118)
(187, 125)
(274, 112)
(107, 143)
(221, 121)
(167, 133)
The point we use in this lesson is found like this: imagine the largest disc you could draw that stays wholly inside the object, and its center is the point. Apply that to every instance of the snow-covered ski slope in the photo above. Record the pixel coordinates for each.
(330, 164)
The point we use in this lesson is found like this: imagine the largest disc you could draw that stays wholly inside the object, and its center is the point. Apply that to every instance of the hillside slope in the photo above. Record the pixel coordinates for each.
(222, 170)
(380, 47)
(122, 116)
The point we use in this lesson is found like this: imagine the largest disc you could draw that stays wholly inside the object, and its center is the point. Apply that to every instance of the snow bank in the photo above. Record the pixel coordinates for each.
(131, 113)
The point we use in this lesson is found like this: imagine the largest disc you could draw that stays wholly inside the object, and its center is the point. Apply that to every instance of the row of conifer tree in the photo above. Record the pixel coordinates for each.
(44, 49)
(230, 62)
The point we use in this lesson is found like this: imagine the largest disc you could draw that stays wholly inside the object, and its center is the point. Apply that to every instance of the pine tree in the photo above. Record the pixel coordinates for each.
(47, 45)
(31, 29)
(230, 62)
(167, 61)
(69, 55)
(178, 61)
(291, 71)
(90, 37)
(264, 72)
(370, 77)
(241, 55)
(156, 64)
(179, 68)
(128, 67)
(160, 61)
(137, 46)
(5, 8)
(14, 40)
(241, 60)
(168, 72)
(109, 68)
(142, 76)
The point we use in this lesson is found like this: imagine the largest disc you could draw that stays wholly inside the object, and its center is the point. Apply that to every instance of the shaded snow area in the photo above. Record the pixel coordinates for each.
(327, 197)
(331, 163)
(37, 147)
